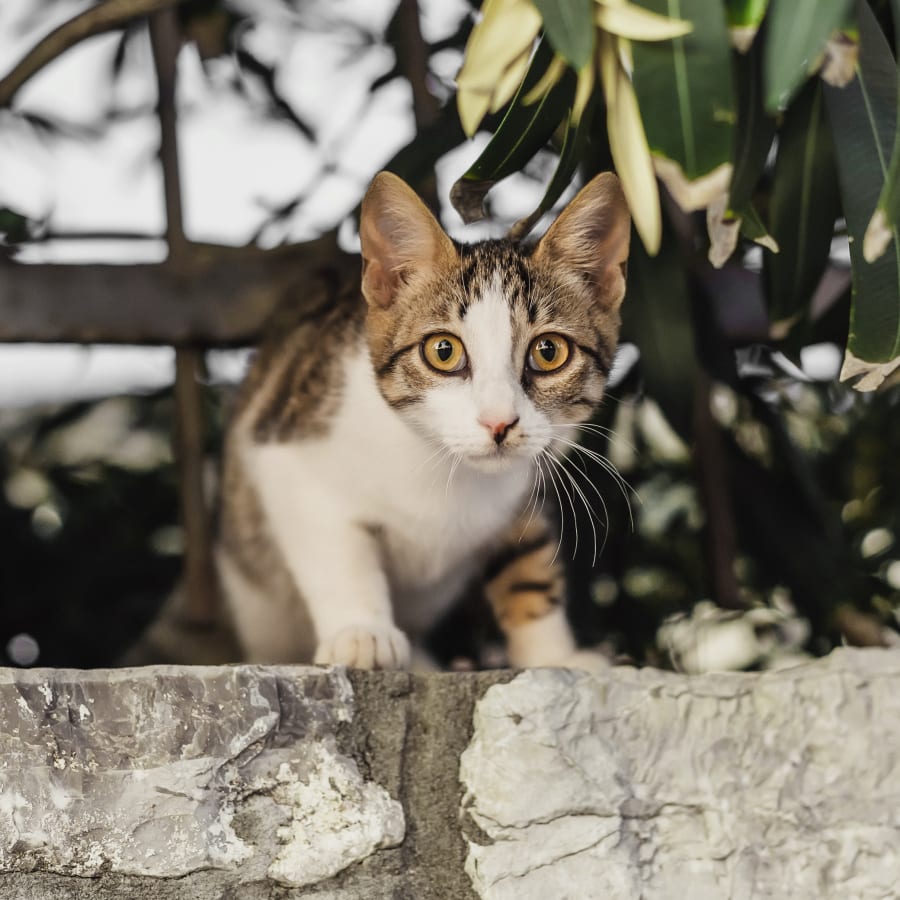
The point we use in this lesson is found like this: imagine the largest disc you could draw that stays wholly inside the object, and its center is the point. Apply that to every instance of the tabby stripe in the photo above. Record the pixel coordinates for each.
(511, 554)
(523, 587)
(403, 401)
(269, 420)
(387, 367)
(600, 359)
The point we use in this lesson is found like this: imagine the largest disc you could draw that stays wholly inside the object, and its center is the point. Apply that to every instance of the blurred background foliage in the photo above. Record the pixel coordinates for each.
(759, 518)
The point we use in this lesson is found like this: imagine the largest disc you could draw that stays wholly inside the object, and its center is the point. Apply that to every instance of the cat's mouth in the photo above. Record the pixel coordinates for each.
(497, 457)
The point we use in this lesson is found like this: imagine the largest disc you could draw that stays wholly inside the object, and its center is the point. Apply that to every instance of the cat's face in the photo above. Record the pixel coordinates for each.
(491, 351)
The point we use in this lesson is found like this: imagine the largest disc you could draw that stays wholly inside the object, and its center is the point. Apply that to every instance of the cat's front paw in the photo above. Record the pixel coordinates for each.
(365, 647)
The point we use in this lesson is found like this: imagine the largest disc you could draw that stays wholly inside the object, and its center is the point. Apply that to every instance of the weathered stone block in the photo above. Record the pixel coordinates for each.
(245, 783)
(655, 785)
(143, 775)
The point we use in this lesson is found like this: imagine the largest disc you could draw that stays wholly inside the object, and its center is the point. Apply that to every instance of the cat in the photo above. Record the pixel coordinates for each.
(382, 456)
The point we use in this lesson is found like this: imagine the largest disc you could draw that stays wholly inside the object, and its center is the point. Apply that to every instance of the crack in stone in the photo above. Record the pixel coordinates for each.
(555, 861)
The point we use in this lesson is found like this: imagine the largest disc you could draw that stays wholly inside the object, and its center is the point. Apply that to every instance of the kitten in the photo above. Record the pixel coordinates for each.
(383, 454)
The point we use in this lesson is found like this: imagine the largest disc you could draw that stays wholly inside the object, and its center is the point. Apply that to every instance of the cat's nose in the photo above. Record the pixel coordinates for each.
(498, 427)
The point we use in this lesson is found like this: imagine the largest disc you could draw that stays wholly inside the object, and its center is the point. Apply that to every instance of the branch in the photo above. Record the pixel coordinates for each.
(218, 296)
(412, 61)
(711, 473)
(106, 17)
(200, 588)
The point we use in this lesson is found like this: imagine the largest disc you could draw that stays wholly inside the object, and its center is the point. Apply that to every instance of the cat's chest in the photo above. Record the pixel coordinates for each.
(431, 513)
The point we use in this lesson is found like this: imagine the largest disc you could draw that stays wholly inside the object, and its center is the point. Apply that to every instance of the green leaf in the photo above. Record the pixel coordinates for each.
(863, 122)
(803, 206)
(684, 90)
(754, 131)
(521, 133)
(570, 28)
(744, 18)
(656, 315)
(14, 227)
(798, 31)
(753, 228)
(887, 213)
(741, 13)
(570, 155)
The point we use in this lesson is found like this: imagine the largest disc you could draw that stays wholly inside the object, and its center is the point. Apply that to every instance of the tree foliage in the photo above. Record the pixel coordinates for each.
(778, 120)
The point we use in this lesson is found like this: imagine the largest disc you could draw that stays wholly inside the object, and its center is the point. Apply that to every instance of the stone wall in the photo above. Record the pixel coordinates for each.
(244, 782)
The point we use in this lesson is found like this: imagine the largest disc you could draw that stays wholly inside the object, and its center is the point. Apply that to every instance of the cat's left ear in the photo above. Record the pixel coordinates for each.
(399, 236)
(592, 235)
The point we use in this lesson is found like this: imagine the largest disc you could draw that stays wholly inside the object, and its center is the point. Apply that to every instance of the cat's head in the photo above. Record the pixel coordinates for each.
(490, 350)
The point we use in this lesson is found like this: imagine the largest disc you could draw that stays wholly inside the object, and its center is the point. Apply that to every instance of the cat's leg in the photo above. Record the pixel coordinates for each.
(335, 563)
(526, 587)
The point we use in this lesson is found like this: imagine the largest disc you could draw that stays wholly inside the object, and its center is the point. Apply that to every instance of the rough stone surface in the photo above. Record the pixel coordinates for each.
(249, 783)
(107, 772)
(644, 784)
(232, 783)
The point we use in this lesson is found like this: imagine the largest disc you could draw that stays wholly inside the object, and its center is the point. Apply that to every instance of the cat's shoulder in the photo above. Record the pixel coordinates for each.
(296, 376)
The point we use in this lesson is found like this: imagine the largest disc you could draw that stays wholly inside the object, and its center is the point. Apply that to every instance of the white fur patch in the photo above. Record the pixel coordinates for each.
(374, 513)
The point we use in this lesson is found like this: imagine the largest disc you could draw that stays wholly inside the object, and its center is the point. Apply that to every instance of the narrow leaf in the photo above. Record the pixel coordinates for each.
(568, 25)
(506, 32)
(753, 228)
(628, 144)
(521, 133)
(551, 76)
(803, 207)
(797, 34)
(886, 217)
(754, 131)
(657, 316)
(863, 122)
(724, 229)
(569, 156)
(510, 80)
(744, 18)
(628, 20)
(684, 89)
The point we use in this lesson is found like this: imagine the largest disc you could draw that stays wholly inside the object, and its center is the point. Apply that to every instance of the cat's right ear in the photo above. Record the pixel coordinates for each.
(399, 237)
(592, 237)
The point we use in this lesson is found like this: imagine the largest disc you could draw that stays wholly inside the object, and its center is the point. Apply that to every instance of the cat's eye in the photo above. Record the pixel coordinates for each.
(548, 352)
(444, 352)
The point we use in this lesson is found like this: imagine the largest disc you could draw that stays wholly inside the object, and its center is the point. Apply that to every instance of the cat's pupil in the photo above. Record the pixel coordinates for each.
(444, 350)
(547, 349)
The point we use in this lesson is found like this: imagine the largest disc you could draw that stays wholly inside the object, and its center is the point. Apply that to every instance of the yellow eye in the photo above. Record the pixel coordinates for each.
(548, 353)
(445, 353)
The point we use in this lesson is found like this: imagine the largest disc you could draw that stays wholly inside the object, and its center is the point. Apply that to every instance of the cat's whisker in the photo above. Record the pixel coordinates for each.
(608, 467)
(543, 485)
(592, 513)
(621, 482)
(607, 433)
(562, 517)
(532, 502)
(602, 430)
(441, 451)
(457, 459)
(601, 460)
(559, 467)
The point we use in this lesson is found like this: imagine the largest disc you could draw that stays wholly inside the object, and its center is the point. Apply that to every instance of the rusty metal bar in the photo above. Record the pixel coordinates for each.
(199, 572)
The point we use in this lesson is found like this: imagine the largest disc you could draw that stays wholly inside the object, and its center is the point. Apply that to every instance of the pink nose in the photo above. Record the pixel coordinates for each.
(498, 427)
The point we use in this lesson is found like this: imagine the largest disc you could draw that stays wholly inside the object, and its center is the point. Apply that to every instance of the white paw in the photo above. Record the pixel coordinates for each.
(365, 647)
(587, 660)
